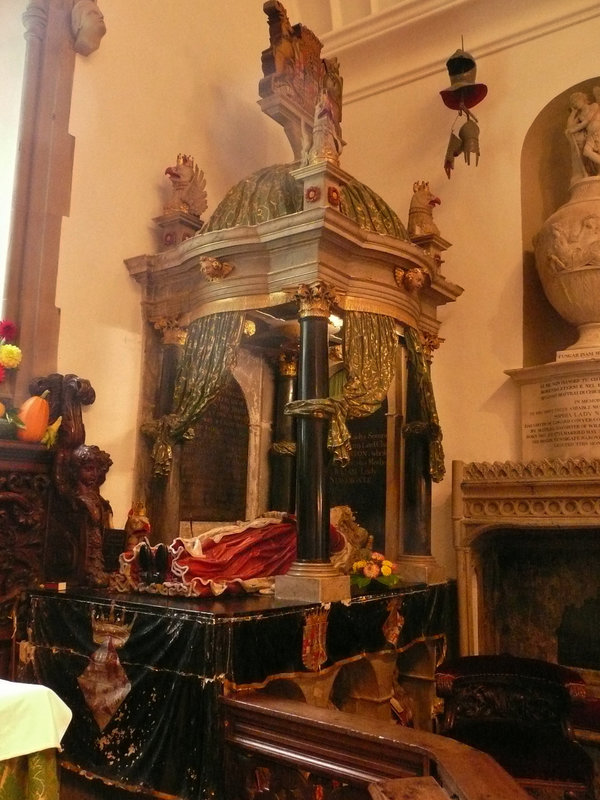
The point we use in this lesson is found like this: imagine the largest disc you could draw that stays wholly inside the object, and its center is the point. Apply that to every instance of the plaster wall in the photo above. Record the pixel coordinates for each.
(183, 77)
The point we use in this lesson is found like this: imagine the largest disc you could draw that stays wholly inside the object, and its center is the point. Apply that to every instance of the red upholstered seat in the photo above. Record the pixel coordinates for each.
(517, 710)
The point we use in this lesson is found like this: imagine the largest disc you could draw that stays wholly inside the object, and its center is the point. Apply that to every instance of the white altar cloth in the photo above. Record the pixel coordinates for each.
(32, 718)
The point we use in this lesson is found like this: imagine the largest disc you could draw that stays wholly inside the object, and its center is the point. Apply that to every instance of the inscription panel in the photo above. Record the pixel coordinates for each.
(362, 483)
(561, 417)
(214, 463)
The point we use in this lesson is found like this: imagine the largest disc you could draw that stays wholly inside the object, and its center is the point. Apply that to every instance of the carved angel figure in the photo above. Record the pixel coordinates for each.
(583, 133)
(189, 188)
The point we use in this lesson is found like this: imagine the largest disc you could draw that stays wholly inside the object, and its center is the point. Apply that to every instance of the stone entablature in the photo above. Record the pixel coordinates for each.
(271, 259)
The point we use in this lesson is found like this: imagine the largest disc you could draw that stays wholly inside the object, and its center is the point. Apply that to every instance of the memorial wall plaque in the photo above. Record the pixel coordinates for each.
(560, 410)
(214, 463)
(362, 483)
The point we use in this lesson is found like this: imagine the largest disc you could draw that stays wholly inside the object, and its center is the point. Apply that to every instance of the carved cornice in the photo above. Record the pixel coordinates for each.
(507, 492)
(524, 508)
(547, 469)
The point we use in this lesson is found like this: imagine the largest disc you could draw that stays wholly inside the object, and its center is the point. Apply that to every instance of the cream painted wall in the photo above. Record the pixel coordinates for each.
(12, 56)
(399, 135)
(167, 78)
(183, 77)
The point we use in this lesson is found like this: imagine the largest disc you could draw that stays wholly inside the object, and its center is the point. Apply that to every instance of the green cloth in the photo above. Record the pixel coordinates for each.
(370, 344)
(429, 423)
(30, 777)
(208, 357)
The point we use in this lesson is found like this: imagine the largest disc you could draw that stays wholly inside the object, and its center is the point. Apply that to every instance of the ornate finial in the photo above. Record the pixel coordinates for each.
(214, 269)
(315, 299)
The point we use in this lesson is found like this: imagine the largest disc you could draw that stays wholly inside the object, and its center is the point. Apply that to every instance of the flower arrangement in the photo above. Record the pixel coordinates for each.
(374, 567)
(10, 354)
(10, 358)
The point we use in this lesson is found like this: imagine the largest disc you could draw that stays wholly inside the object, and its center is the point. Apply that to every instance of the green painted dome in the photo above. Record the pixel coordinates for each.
(272, 192)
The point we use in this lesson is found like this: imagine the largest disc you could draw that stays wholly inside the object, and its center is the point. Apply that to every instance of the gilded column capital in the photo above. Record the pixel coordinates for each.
(315, 299)
(430, 344)
(170, 330)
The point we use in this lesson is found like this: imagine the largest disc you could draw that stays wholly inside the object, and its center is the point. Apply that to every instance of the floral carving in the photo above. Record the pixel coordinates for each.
(312, 194)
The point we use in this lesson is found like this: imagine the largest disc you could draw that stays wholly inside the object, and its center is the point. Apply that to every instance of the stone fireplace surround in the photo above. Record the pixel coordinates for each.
(542, 519)
(548, 510)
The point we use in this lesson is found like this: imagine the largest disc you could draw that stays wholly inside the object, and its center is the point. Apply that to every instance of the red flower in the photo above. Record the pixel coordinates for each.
(8, 331)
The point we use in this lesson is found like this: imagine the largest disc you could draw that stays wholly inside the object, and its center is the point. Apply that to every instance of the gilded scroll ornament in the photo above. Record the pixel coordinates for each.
(170, 330)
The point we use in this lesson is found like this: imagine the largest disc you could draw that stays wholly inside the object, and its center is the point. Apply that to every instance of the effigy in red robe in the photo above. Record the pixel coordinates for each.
(233, 558)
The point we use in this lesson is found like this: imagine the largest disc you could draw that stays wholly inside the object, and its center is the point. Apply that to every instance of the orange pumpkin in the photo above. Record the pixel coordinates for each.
(34, 414)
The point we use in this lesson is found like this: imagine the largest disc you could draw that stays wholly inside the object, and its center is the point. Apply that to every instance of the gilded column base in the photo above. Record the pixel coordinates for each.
(420, 569)
(312, 583)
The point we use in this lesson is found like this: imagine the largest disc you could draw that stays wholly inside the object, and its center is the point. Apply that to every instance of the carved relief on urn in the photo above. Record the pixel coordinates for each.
(567, 248)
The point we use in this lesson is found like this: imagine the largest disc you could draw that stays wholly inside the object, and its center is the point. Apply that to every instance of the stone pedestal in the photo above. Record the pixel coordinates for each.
(312, 588)
(560, 409)
(420, 569)
(173, 229)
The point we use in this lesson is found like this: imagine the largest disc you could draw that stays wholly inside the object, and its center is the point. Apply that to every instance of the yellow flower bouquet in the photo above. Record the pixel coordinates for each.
(10, 358)
(374, 567)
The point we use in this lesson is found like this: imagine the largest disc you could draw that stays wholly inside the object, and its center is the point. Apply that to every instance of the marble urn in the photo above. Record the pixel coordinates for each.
(567, 254)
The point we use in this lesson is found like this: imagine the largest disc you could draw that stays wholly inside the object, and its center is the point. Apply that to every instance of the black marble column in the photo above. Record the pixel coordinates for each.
(312, 427)
(312, 496)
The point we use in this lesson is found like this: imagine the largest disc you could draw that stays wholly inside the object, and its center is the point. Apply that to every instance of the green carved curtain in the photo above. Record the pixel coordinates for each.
(428, 423)
(369, 343)
(208, 358)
